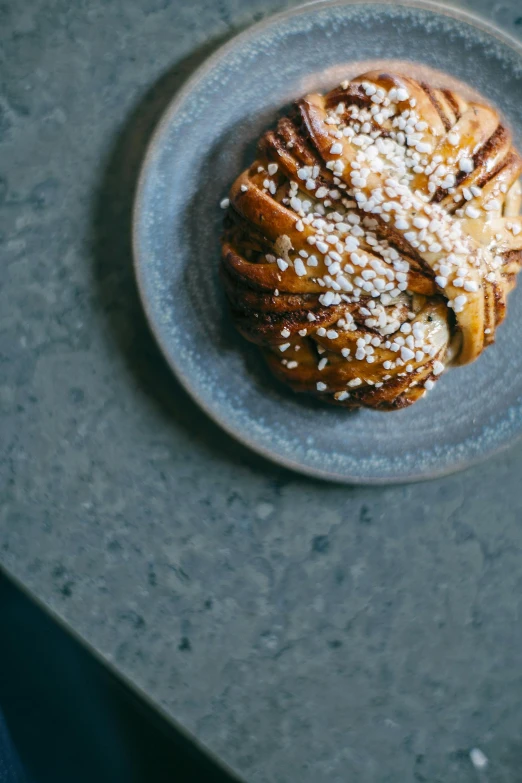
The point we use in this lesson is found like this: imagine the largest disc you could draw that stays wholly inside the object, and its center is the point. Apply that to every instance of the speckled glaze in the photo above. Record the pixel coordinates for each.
(206, 137)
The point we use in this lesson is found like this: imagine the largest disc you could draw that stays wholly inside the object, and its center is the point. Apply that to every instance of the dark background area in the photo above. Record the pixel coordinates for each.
(71, 719)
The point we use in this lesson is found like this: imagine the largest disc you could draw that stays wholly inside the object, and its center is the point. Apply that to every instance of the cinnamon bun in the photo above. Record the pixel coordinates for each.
(374, 240)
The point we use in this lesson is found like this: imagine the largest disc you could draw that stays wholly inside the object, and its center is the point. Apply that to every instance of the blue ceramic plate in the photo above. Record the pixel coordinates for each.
(207, 137)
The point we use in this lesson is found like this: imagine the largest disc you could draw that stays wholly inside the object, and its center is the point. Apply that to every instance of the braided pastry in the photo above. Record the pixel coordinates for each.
(375, 239)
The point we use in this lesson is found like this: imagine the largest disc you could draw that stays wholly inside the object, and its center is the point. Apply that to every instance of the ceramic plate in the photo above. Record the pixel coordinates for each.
(207, 137)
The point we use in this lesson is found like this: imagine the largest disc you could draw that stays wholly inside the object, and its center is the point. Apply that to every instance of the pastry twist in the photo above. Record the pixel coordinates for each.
(375, 239)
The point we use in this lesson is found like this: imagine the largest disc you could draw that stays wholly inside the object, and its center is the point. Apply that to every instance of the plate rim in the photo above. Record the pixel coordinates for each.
(139, 263)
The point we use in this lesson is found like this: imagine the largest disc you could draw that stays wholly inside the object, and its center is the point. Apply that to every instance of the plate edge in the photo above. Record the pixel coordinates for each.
(176, 101)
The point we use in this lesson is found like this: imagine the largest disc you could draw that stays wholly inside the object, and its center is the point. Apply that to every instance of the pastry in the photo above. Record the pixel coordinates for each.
(374, 240)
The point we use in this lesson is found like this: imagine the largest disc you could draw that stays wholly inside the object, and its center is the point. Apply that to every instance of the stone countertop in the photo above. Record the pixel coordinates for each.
(300, 630)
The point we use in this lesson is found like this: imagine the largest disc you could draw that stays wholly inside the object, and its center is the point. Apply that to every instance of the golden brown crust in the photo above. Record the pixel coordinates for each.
(375, 239)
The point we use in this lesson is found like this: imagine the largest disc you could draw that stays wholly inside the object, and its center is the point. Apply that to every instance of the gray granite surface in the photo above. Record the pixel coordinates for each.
(300, 630)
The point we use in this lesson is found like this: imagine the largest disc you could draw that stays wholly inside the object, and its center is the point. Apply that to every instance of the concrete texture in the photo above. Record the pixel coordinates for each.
(301, 631)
